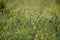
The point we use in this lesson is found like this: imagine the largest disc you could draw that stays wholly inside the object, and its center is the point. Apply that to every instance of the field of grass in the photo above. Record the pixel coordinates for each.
(30, 20)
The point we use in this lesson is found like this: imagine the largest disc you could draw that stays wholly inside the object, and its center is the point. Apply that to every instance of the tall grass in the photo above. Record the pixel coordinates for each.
(30, 20)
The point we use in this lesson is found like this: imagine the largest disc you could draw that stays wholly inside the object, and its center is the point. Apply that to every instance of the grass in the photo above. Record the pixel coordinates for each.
(30, 20)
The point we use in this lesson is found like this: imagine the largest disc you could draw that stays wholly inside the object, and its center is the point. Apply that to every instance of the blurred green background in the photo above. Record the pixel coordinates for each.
(30, 20)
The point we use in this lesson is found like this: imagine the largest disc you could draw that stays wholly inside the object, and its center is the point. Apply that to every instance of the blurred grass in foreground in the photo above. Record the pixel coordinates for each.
(30, 20)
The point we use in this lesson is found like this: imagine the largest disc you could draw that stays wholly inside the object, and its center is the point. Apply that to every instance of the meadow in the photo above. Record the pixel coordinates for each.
(30, 20)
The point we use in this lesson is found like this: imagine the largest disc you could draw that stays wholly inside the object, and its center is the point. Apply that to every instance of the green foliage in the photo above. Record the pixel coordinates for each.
(30, 20)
